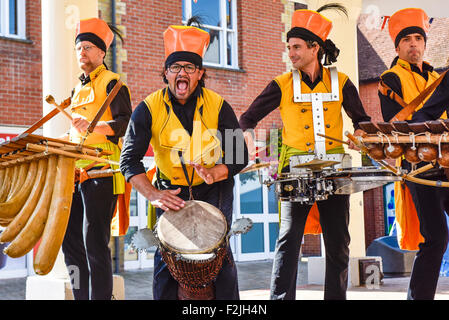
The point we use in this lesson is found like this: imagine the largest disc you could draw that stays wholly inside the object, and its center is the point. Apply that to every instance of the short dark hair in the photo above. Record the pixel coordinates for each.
(201, 82)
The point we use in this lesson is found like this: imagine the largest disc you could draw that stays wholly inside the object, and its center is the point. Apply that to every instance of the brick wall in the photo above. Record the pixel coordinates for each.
(370, 100)
(21, 70)
(311, 246)
(373, 200)
(259, 41)
(373, 206)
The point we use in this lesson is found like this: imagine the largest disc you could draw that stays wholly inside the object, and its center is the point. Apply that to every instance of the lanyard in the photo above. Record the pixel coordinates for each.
(184, 168)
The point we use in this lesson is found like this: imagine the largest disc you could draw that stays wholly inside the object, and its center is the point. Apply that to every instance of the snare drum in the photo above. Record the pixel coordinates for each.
(352, 180)
(193, 245)
(307, 187)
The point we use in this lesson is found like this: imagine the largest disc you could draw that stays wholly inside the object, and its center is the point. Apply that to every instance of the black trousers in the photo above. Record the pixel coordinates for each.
(165, 287)
(85, 246)
(430, 204)
(334, 220)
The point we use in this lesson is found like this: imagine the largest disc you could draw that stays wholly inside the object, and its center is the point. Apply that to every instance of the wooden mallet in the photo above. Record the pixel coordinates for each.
(52, 101)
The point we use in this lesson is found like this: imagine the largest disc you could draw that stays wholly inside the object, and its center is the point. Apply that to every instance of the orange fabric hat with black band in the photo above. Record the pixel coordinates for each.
(309, 25)
(408, 21)
(185, 43)
(96, 31)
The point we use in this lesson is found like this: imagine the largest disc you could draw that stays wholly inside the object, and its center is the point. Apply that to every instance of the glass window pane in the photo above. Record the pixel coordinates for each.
(213, 52)
(184, 10)
(129, 252)
(229, 13)
(252, 241)
(208, 11)
(274, 234)
(250, 193)
(12, 16)
(229, 48)
(272, 201)
(133, 204)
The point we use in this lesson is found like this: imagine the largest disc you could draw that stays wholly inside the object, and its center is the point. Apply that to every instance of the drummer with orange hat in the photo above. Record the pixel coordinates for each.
(187, 126)
(420, 218)
(292, 94)
(86, 241)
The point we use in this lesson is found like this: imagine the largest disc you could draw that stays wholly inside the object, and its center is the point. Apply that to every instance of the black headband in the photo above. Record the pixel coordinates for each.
(184, 56)
(304, 34)
(91, 37)
(406, 31)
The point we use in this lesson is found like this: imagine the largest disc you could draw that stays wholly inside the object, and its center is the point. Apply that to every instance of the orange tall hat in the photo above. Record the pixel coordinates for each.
(96, 31)
(407, 21)
(310, 25)
(185, 43)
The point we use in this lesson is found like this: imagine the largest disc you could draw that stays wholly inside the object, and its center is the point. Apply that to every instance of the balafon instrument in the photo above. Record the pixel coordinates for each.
(37, 177)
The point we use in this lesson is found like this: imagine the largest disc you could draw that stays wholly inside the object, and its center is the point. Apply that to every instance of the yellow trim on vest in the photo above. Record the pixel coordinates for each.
(169, 136)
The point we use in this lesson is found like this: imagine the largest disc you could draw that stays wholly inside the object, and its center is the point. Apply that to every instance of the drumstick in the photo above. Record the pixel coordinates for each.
(420, 170)
(52, 101)
(332, 138)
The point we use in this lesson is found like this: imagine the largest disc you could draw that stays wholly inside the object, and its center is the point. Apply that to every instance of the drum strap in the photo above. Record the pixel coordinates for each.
(184, 168)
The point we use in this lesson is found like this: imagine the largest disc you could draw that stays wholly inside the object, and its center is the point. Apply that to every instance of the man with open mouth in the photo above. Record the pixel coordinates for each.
(187, 126)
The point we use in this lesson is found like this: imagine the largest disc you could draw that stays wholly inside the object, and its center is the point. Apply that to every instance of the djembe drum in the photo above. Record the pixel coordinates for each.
(193, 244)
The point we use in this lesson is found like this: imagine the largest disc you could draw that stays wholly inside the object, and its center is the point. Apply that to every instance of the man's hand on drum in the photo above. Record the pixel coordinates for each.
(211, 175)
(357, 133)
(166, 199)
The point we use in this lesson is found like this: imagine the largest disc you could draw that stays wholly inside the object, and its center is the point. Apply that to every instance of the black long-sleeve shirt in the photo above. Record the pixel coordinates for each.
(270, 99)
(138, 135)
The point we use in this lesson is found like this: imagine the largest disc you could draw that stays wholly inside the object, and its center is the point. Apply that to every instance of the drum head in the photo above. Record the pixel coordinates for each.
(199, 227)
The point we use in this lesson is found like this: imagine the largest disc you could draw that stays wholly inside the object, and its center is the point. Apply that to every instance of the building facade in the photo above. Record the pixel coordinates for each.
(247, 51)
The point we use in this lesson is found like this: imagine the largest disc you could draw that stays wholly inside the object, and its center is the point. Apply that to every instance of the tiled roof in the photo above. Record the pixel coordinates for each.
(376, 50)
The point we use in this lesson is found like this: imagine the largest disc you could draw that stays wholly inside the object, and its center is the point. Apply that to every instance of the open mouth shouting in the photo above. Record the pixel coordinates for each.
(182, 86)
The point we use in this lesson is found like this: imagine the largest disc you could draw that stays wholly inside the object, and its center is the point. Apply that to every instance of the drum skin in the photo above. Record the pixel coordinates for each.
(376, 151)
(199, 227)
(444, 160)
(411, 155)
(427, 152)
(393, 150)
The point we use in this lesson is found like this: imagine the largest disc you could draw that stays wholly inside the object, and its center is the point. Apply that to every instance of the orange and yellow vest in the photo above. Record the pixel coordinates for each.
(298, 133)
(408, 234)
(297, 118)
(86, 101)
(169, 136)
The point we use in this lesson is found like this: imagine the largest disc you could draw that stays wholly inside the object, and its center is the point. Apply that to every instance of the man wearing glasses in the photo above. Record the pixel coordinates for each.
(88, 233)
(185, 112)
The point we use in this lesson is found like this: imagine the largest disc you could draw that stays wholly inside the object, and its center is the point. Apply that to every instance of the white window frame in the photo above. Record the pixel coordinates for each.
(21, 20)
(223, 34)
(140, 221)
(264, 217)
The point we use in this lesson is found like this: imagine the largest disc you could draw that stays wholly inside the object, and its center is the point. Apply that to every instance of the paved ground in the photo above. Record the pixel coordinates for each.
(254, 283)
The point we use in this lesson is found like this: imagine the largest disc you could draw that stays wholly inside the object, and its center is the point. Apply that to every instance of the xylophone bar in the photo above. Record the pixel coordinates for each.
(430, 138)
